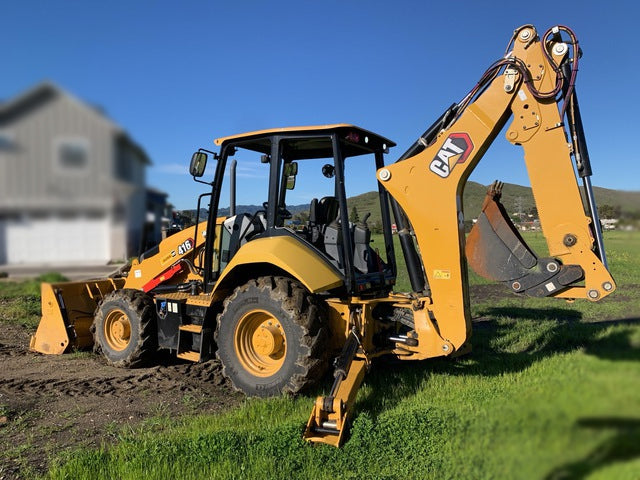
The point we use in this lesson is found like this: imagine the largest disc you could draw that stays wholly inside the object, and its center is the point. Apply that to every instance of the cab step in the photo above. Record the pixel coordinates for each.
(191, 328)
(193, 342)
(190, 356)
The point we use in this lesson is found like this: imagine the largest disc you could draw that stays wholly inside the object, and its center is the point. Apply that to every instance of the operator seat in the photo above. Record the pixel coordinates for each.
(239, 230)
(321, 214)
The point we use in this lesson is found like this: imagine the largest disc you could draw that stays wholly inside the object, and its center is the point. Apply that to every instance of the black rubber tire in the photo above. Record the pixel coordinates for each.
(300, 317)
(142, 343)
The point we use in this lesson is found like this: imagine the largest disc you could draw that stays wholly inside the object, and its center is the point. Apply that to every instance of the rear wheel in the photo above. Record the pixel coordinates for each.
(124, 327)
(270, 337)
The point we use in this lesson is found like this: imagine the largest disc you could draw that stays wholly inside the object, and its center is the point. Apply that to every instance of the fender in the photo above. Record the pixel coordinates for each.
(290, 255)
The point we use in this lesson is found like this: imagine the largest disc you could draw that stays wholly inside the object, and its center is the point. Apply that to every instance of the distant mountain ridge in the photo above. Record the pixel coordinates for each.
(518, 197)
(515, 198)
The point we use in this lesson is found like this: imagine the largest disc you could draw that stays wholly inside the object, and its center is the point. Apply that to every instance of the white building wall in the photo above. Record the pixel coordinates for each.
(53, 214)
(53, 239)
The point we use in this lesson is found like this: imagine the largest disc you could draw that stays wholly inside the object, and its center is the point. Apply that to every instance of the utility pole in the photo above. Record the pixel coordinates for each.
(519, 207)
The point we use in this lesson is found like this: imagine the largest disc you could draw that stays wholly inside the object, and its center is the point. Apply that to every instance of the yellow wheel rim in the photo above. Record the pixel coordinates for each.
(260, 343)
(117, 330)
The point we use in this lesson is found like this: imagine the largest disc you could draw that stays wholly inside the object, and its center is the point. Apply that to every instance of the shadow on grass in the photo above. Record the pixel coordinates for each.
(503, 347)
(624, 446)
(520, 313)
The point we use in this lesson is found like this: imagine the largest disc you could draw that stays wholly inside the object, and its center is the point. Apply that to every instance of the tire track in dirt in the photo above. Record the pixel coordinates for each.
(55, 403)
(175, 378)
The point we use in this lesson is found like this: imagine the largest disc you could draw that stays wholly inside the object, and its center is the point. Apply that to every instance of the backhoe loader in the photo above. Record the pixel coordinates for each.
(276, 303)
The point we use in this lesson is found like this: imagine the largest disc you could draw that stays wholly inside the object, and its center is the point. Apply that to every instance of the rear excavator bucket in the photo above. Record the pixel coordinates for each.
(496, 251)
(67, 314)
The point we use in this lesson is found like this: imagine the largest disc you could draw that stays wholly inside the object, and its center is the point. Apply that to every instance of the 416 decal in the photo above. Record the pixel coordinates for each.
(185, 246)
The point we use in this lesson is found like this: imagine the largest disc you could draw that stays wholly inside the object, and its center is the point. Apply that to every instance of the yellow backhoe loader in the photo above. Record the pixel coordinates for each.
(276, 302)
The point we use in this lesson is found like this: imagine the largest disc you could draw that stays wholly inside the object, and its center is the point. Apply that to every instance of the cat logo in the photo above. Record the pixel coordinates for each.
(456, 149)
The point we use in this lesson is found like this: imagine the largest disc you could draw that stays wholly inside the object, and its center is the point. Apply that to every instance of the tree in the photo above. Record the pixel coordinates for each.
(302, 217)
(609, 211)
(354, 217)
(376, 227)
(184, 218)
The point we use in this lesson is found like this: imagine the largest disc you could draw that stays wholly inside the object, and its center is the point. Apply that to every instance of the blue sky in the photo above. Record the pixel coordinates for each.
(176, 75)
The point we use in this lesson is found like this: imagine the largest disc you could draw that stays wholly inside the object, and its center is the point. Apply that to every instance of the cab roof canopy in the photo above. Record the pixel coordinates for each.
(312, 141)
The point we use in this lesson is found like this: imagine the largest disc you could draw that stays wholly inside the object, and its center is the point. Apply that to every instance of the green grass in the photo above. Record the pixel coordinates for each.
(538, 398)
(20, 301)
(550, 392)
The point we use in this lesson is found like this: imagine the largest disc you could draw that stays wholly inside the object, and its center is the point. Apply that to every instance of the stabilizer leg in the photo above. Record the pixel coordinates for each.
(329, 419)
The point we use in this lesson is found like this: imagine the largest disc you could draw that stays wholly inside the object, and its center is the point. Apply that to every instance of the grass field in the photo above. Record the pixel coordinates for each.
(551, 391)
(20, 301)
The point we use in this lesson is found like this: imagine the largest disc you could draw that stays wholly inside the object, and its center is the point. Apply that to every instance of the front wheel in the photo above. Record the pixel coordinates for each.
(270, 337)
(123, 328)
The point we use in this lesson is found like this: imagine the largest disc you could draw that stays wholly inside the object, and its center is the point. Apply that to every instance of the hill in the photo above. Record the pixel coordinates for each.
(628, 201)
(515, 198)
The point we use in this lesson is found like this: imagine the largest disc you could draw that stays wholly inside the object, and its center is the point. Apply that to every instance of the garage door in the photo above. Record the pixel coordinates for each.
(54, 240)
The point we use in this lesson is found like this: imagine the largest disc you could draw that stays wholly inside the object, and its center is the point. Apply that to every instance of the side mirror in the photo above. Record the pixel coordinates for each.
(290, 171)
(198, 164)
(328, 170)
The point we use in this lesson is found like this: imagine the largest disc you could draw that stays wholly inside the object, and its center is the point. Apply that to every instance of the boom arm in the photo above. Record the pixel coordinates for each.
(429, 185)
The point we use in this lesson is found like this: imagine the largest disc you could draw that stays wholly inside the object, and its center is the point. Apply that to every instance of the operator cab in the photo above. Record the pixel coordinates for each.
(313, 179)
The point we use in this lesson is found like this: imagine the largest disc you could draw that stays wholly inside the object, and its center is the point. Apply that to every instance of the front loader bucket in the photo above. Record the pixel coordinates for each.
(67, 314)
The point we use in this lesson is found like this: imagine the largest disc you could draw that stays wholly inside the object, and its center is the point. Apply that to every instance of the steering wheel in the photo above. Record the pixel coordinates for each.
(282, 211)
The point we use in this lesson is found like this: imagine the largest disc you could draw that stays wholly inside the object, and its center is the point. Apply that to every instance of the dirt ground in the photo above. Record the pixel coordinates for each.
(50, 404)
